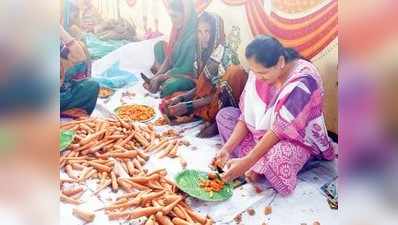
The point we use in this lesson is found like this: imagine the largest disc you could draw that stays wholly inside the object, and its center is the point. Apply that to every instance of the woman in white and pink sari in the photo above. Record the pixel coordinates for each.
(279, 125)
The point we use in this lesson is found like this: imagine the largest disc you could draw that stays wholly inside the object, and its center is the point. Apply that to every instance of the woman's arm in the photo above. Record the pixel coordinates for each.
(267, 141)
(164, 67)
(238, 134)
(237, 167)
(76, 52)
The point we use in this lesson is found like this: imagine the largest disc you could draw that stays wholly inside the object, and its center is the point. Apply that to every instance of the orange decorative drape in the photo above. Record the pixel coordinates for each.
(308, 35)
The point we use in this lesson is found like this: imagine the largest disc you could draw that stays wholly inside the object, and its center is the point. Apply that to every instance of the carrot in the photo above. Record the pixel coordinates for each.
(128, 138)
(98, 125)
(74, 122)
(86, 146)
(119, 201)
(140, 160)
(124, 165)
(69, 200)
(167, 150)
(67, 180)
(149, 197)
(142, 155)
(103, 178)
(138, 186)
(115, 136)
(123, 123)
(69, 171)
(84, 215)
(99, 146)
(70, 192)
(133, 202)
(187, 217)
(141, 139)
(196, 216)
(124, 185)
(178, 221)
(139, 179)
(161, 171)
(74, 146)
(172, 183)
(163, 146)
(90, 174)
(179, 212)
(137, 164)
(83, 174)
(147, 149)
(87, 128)
(128, 154)
(91, 137)
(135, 213)
(173, 151)
(130, 167)
(77, 166)
(106, 184)
(114, 182)
(100, 167)
(167, 209)
(154, 185)
(163, 220)
(129, 195)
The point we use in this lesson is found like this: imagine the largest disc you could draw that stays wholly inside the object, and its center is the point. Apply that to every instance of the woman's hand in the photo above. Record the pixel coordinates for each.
(236, 168)
(221, 158)
(175, 100)
(154, 85)
(178, 109)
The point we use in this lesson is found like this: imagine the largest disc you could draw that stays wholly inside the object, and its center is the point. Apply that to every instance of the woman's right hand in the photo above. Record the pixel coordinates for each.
(221, 158)
(154, 85)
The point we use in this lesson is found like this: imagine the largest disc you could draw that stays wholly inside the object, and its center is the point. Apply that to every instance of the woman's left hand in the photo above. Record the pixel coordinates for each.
(236, 168)
(178, 109)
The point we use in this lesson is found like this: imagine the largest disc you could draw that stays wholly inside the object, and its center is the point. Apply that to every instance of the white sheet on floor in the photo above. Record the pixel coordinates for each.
(305, 205)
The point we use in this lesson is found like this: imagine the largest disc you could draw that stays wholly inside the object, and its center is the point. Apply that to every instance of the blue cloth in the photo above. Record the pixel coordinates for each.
(98, 48)
(114, 77)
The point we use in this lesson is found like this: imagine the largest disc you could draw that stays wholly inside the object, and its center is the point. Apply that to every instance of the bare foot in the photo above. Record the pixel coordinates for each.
(252, 176)
(210, 130)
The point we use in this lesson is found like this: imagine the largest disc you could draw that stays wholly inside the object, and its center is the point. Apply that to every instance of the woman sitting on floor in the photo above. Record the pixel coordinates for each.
(78, 94)
(279, 125)
(173, 67)
(220, 83)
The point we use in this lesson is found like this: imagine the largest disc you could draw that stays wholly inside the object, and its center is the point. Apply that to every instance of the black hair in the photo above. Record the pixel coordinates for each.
(266, 50)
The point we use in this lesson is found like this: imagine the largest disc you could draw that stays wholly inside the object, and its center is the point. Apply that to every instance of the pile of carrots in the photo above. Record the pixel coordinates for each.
(212, 184)
(135, 112)
(113, 153)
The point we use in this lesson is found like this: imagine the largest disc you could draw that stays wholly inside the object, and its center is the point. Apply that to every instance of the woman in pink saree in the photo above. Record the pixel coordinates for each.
(279, 124)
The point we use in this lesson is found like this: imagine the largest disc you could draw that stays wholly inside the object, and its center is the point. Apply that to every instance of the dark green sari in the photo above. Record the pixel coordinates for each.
(78, 94)
(181, 51)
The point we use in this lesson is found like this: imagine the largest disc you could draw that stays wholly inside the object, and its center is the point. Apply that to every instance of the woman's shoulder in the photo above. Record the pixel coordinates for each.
(305, 67)
(306, 70)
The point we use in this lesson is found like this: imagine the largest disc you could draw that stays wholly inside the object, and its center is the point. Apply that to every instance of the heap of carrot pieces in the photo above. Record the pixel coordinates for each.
(113, 152)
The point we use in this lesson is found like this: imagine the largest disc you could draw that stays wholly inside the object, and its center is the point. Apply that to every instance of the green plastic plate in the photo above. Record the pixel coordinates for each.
(188, 182)
(65, 139)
